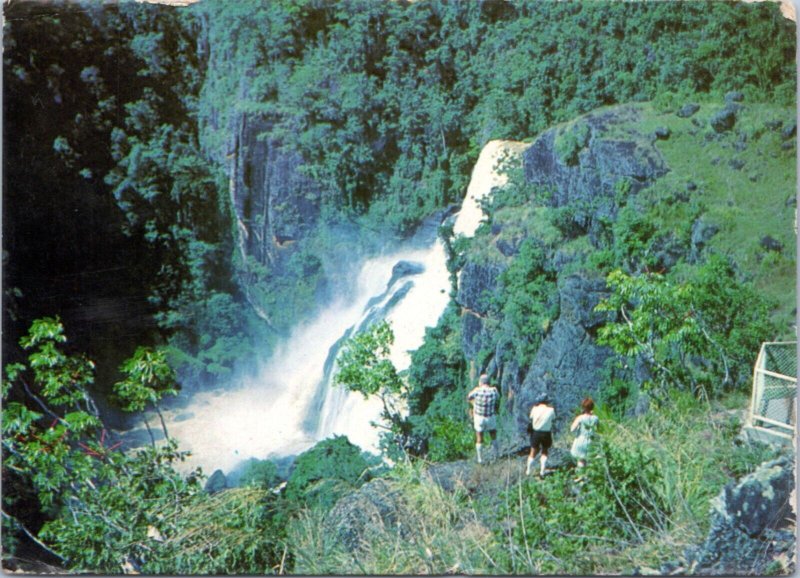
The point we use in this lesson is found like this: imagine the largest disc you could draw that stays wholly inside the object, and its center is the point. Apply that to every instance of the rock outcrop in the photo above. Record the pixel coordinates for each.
(752, 524)
(569, 363)
(477, 284)
(582, 165)
(589, 167)
(216, 482)
(374, 507)
(274, 203)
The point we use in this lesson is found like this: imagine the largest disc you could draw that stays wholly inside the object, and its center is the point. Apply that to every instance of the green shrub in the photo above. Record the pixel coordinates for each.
(571, 141)
(324, 473)
(260, 474)
(446, 426)
(699, 334)
(231, 532)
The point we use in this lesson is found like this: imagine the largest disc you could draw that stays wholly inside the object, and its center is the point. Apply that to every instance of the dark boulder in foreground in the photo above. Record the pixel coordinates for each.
(373, 508)
(216, 483)
(752, 525)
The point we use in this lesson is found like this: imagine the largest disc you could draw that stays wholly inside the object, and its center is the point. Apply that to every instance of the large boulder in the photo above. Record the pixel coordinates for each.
(688, 110)
(373, 508)
(751, 523)
(725, 119)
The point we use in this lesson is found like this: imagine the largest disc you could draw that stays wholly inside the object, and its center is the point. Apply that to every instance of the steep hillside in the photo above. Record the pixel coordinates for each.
(374, 112)
(670, 492)
(640, 188)
(187, 187)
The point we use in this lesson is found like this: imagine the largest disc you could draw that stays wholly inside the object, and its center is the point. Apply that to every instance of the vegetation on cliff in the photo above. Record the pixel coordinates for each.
(668, 277)
(385, 104)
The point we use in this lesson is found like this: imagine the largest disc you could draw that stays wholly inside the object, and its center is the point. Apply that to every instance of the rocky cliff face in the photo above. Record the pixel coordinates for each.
(274, 203)
(584, 164)
(568, 364)
(475, 288)
(588, 166)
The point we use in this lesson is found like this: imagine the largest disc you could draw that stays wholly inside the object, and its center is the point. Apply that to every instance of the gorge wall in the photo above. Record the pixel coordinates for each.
(274, 203)
(585, 174)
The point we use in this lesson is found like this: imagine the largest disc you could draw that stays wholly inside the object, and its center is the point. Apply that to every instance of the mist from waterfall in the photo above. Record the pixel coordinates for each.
(290, 403)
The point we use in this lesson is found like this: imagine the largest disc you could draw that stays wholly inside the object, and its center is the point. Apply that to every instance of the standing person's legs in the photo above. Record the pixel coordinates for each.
(546, 443)
(478, 423)
(532, 455)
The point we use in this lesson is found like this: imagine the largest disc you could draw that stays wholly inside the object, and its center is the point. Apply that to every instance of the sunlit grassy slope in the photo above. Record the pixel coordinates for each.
(746, 181)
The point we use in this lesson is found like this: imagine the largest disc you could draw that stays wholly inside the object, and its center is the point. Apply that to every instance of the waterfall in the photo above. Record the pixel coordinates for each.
(290, 403)
(484, 178)
(410, 306)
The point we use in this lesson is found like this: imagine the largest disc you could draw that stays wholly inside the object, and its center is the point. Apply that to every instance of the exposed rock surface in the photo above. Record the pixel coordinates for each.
(569, 363)
(668, 250)
(475, 289)
(478, 283)
(725, 119)
(216, 482)
(688, 110)
(374, 507)
(589, 166)
(734, 96)
(493, 476)
(589, 186)
(702, 232)
(751, 524)
(405, 269)
(789, 131)
(769, 243)
(274, 203)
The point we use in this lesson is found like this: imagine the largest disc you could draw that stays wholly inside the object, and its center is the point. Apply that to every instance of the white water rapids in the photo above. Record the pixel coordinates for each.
(291, 404)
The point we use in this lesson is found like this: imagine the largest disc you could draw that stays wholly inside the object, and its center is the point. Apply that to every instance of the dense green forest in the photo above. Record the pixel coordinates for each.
(139, 259)
(387, 103)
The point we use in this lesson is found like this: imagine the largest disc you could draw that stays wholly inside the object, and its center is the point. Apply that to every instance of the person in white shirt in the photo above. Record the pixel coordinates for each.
(542, 415)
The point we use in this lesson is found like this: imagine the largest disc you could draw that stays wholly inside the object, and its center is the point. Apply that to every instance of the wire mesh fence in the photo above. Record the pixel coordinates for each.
(775, 389)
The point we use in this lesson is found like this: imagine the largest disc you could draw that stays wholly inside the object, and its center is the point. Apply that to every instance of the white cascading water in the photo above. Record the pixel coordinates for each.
(292, 404)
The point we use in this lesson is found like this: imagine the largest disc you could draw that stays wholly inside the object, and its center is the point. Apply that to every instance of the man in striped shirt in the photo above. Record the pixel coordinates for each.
(484, 400)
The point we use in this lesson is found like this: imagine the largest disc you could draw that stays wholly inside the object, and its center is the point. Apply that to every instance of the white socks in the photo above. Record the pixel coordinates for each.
(542, 462)
(478, 449)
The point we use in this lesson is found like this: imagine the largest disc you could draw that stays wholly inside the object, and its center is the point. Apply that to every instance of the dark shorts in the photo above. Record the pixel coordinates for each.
(541, 440)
